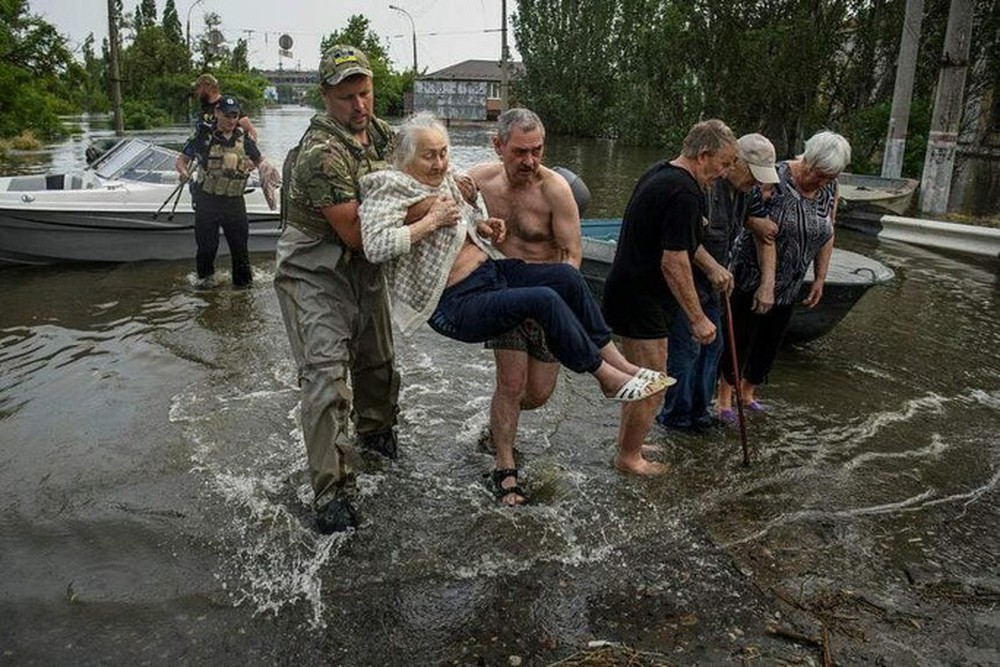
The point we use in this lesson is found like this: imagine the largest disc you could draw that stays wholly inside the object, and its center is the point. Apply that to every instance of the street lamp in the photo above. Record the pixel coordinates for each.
(188, 34)
(414, 30)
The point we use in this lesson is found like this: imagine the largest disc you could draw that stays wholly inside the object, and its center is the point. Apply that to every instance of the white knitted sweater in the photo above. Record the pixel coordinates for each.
(416, 273)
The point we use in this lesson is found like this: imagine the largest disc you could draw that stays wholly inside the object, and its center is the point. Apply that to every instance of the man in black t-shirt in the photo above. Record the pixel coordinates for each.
(651, 279)
(206, 89)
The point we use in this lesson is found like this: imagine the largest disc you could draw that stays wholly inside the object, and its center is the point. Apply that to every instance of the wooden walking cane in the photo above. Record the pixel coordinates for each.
(738, 382)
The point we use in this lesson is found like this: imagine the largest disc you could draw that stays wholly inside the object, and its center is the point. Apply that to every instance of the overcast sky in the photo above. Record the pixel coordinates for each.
(448, 31)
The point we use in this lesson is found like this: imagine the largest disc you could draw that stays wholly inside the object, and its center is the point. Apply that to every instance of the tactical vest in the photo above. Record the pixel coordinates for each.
(306, 218)
(227, 169)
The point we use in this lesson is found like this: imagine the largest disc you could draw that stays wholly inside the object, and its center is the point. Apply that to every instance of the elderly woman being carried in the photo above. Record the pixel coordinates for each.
(441, 268)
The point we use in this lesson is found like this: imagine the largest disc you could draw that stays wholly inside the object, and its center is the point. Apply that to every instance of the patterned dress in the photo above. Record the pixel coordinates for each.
(804, 226)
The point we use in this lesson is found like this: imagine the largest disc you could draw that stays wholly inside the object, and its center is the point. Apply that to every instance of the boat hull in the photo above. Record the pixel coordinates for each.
(49, 237)
(849, 277)
(863, 193)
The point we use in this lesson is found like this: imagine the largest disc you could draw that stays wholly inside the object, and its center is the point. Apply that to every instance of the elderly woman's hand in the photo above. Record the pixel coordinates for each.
(815, 294)
(763, 299)
(443, 213)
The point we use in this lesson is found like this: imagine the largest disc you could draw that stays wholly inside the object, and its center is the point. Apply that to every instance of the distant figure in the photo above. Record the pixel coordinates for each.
(543, 225)
(332, 298)
(440, 270)
(225, 157)
(801, 214)
(206, 89)
(687, 406)
(651, 281)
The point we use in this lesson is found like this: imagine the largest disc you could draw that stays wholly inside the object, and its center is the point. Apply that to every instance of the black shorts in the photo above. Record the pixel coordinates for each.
(638, 313)
(529, 337)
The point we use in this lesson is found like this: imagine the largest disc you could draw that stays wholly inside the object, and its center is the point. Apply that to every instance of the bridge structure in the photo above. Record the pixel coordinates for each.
(289, 85)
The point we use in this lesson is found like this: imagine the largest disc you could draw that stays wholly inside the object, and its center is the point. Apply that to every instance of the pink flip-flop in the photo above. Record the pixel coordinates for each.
(755, 406)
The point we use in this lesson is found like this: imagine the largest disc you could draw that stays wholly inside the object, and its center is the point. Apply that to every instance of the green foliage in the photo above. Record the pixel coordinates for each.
(143, 115)
(36, 73)
(238, 59)
(156, 71)
(643, 71)
(172, 23)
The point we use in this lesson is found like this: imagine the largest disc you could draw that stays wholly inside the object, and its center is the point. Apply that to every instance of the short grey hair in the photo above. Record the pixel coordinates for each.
(523, 119)
(827, 152)
(406, 136)
(709, 135)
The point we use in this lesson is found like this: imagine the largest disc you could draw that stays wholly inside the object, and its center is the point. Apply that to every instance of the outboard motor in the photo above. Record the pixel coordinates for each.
(581, 193)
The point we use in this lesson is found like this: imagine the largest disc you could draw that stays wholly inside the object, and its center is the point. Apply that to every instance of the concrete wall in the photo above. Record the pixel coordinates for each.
(452, 100)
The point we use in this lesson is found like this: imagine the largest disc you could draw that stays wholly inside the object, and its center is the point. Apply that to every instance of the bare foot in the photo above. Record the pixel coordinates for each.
(651, 447)
(640, 466)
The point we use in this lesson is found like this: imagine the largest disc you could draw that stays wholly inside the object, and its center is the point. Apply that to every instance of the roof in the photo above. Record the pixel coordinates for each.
(474, 70)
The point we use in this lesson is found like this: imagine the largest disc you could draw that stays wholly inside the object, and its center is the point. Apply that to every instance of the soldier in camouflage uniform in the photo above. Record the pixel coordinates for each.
(332, 299)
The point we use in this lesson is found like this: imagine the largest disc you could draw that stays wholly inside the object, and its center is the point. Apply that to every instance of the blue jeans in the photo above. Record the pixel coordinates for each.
(696, 367)
(501, 294)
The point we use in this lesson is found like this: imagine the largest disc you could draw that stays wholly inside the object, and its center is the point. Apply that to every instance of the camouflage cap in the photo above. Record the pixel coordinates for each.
(340, 62)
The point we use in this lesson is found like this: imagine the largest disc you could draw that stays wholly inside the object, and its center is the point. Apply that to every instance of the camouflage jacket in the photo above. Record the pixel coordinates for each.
(328, 170)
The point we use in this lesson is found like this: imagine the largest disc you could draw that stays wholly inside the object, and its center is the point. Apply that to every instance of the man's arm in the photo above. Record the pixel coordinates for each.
(676, 270)
(565, 220)
(343, 218)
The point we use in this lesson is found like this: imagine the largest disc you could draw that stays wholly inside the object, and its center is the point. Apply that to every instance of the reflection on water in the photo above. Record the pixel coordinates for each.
(156, 507)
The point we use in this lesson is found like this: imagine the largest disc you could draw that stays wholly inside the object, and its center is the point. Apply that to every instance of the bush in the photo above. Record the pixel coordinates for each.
(143, 115)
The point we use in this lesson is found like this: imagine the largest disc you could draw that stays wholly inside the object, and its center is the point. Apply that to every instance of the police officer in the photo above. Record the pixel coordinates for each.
(225, 156)
(332, 299)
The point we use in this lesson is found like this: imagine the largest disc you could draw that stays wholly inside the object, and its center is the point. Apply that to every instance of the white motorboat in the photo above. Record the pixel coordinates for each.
(119, 209)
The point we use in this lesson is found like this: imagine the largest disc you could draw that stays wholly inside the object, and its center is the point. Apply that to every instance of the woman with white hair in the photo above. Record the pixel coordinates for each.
(769, 273)
(441, 268)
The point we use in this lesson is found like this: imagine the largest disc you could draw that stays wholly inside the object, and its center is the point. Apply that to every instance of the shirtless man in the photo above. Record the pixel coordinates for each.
(543, 225)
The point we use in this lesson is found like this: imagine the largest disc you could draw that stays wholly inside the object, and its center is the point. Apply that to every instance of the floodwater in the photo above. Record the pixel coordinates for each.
(155, 510)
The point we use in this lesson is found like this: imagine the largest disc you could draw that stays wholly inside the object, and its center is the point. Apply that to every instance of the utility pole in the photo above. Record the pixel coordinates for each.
(939, 163)
(504, 62)
(906, 65)
(116, 82)
(413, 32)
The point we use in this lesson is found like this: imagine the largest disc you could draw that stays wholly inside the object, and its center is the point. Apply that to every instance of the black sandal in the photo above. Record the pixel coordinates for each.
(501, 491)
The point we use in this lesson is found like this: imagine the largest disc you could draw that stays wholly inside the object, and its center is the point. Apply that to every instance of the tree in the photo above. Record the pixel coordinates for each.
(148, 13)
(387, 84)
(35, 70)
(644, 70)
(172, 23)
(238, 60)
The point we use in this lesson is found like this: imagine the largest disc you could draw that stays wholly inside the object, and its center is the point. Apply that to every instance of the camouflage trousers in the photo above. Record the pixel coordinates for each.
(337, 318)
